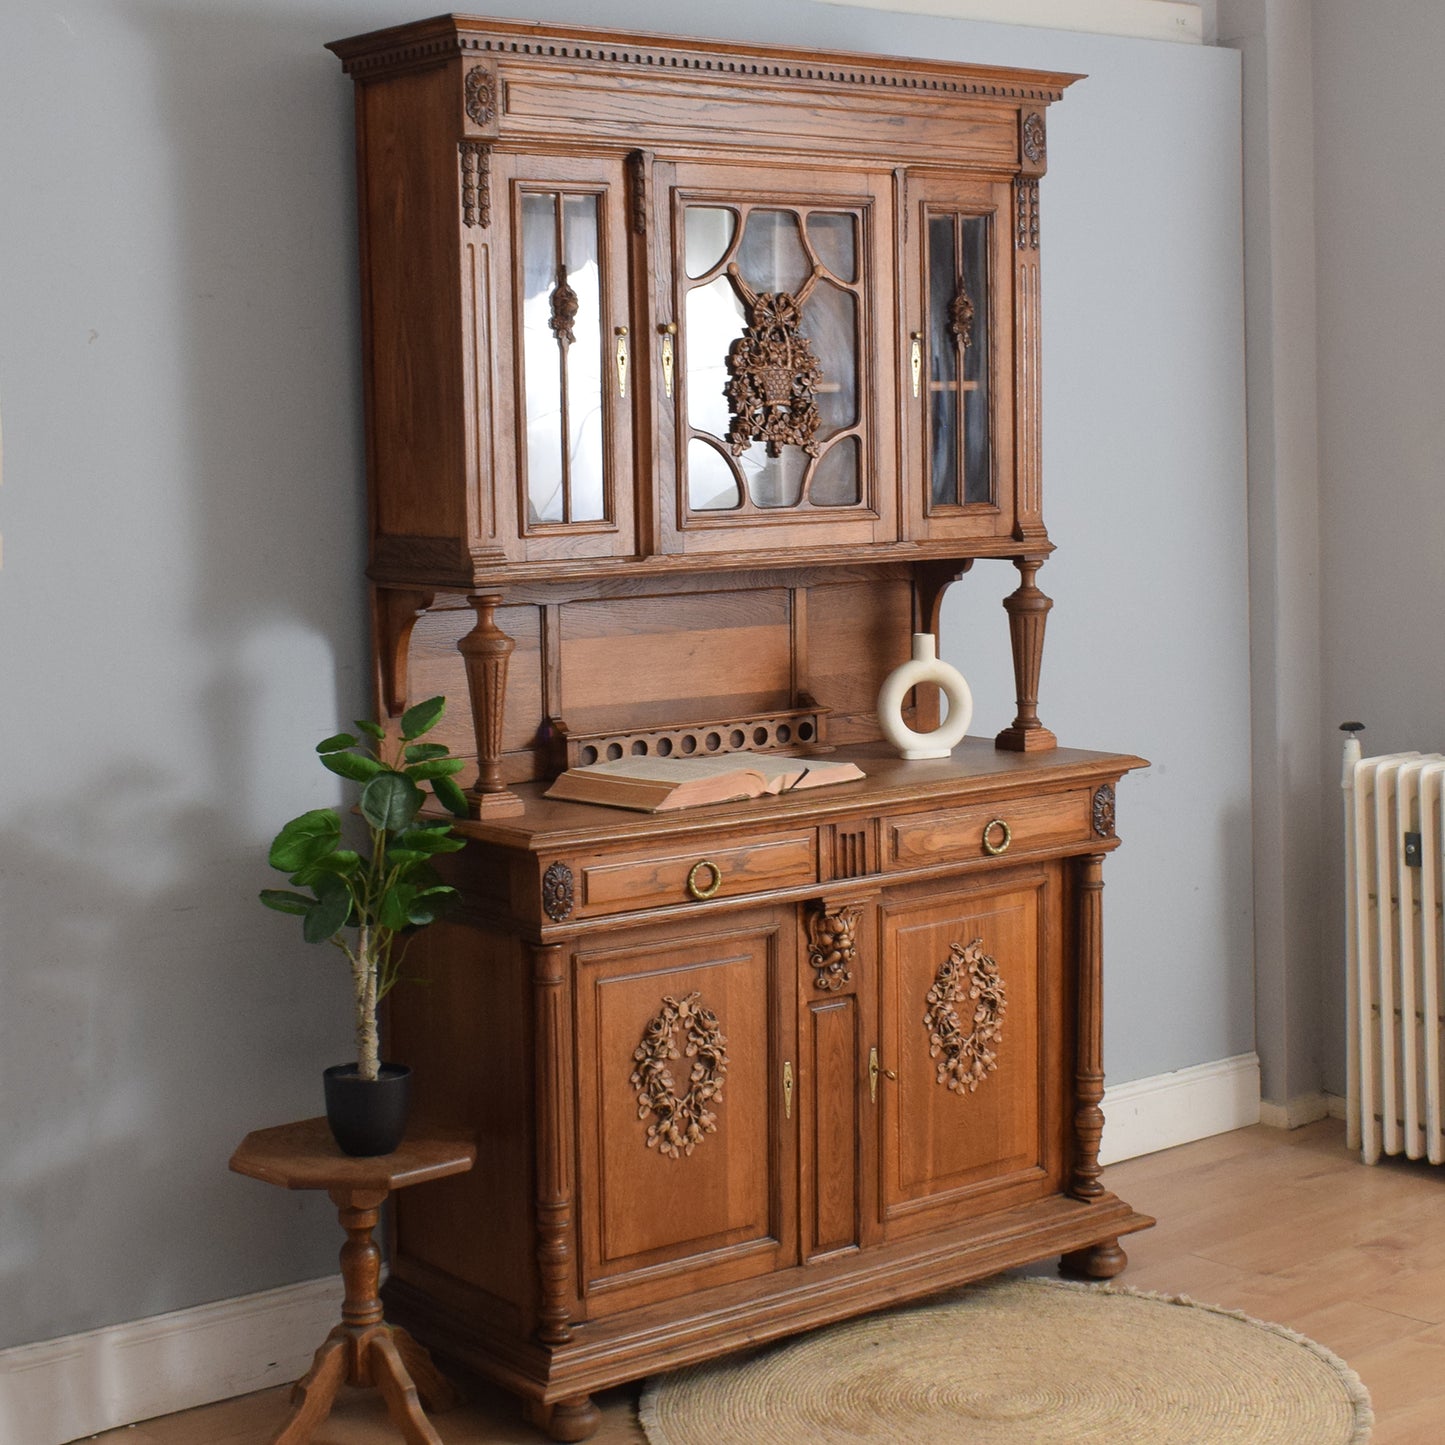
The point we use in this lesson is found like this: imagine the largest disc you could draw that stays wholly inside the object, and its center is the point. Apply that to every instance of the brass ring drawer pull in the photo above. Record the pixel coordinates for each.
(698, 890)
(993, 849)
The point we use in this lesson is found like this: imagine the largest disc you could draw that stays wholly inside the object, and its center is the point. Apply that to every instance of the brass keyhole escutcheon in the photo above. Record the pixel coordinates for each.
(996, 837)
(874, 1069)
(698, 889)
(915, 359)
(668, 331)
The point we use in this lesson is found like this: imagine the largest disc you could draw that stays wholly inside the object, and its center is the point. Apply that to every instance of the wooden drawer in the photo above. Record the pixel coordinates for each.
(1000, 829)
(619, 883)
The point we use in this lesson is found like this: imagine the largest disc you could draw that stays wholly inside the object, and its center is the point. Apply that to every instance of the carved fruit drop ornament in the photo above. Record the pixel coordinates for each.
(678, 1124)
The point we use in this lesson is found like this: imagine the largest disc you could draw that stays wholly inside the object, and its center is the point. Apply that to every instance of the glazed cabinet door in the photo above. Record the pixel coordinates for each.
(563, 435)
(686, 1158)
(958, 302)
(772, 357)
(971, 1047)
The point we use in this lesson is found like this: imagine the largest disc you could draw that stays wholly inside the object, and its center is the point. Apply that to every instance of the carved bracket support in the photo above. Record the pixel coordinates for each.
(966, 1049)
(395, 612)
(833, 945)
(678, 1124)
(1028, 611)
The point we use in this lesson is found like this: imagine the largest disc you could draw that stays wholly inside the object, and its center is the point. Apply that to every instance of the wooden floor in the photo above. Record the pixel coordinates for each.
(1288, 1227)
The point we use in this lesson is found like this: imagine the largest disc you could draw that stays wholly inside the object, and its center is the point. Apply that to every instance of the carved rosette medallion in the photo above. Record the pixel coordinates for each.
(678, 1124)
(564, 309)
(480, 99)
(476, 159)
(833, 946)
(1104, 811)
(966, 1047)
(557, 892)
(1032, 137)
(772, 378)
(1027, 203)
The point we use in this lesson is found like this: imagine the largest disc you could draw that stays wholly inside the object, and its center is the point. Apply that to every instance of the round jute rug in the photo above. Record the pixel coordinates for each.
(1022, 1362)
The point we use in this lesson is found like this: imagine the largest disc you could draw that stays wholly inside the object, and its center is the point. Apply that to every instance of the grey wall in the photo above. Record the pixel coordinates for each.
(183, 613)
(1380, 212)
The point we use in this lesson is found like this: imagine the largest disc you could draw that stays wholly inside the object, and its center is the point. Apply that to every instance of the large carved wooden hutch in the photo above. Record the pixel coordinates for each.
(694, 375)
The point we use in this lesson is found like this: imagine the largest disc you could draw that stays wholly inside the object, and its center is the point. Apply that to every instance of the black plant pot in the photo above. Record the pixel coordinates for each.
(367, 1116)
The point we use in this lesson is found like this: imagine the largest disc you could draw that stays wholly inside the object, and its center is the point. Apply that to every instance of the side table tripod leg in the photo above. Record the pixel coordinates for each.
(436, 1391)
(315, 1393)
(402, 1404)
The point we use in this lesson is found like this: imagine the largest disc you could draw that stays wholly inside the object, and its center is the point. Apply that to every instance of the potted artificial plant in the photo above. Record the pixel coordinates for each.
(368, 901)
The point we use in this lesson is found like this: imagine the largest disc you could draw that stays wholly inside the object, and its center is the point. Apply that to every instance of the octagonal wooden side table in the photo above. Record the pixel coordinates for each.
(363, 1349)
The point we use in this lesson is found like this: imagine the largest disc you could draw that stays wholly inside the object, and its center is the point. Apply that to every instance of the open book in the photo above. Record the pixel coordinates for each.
(659, 785)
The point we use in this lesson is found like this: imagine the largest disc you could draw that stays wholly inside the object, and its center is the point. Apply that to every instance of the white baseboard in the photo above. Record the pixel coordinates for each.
(1301, 1110)
(1146, 1115)
(62, 1390)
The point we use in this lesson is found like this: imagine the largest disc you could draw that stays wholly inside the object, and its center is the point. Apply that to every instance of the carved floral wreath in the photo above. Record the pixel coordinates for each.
(679, 1123)
(965, 1059)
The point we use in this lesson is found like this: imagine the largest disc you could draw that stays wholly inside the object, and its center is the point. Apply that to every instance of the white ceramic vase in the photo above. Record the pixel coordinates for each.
(925, 667)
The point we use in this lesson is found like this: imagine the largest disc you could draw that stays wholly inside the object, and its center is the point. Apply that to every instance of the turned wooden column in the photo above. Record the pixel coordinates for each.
(1028, 611)
(576, 1417)
(1105, 1259)
(486, 650)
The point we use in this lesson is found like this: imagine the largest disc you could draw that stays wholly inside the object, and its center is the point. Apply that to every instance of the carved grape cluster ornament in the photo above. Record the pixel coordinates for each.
(678, 1124)
(967, 982)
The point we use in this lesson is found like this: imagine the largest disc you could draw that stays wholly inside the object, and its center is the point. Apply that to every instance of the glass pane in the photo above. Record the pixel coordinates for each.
(837, 477)
(943, 413)
(711, 484)
(774, 481)
(541, 359)
(771, 256)
(585, 361)
(977, 472)
(830, 322)
(834, 238)
(714, 322)
(707, 233)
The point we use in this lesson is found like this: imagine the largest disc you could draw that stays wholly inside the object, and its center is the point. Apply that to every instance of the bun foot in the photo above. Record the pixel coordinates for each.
(1099, 1261)
(574, 1419)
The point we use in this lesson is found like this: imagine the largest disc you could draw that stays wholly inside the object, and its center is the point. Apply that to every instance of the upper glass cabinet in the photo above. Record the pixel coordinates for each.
(767, 363)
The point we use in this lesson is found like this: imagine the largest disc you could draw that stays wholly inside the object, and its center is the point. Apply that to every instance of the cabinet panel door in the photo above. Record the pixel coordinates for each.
(563, 423)
(971, 1022)
(774, 372)
(685, 1160)
(958, 324)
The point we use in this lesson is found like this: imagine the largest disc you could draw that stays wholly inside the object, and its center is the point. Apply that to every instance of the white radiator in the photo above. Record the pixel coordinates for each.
(1395, 947)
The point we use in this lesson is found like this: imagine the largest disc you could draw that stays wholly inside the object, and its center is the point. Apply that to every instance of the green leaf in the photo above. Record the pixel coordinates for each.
(327, 917)
(390, 801)
(284, 902)
(336, 743)
(343, 863)
(436, 839)
(395, 910)
(436, 768)
(429, 905)
(422, 718)
(405, 858)
(306, 839)
(371, 729)
(450, 795)
(356, 766)
(420, 752)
